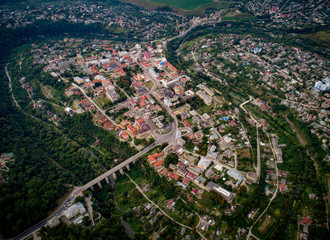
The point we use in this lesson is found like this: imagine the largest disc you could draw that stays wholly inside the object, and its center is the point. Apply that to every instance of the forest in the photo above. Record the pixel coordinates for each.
(49, 160)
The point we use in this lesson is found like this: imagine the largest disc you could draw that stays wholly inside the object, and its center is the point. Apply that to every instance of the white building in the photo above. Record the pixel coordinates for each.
(206, 98)
(204, 163)
(74, 210)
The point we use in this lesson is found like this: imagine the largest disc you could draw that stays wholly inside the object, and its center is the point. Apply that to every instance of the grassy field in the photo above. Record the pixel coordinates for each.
(182, 7)
(183, 4)
(149, 84)
(265, 225)
(322, 38)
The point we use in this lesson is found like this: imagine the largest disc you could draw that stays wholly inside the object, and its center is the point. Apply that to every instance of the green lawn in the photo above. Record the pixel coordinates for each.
(149, 84)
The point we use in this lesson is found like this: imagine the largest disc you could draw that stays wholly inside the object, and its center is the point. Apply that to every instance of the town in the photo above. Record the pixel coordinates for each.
(167, 126)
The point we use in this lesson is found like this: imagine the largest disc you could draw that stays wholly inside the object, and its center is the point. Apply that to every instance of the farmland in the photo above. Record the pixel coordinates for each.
(183, 7)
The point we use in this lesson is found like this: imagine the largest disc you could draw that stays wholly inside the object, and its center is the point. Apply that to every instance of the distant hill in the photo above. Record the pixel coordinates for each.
(182, 7)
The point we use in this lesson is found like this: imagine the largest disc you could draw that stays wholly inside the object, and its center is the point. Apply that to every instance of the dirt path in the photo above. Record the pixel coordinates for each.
(165, 214)
(250, 234)
(90, 209)
(11, 89)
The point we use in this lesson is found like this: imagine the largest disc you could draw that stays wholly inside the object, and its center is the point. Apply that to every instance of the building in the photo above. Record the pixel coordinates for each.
(204, 163)
(186, 181)
(323, 86)
(195, 170)
(165, 172)
(227, 195)
(206, 98)
(209, 173)
(278, 150)
(78, 80)
(172, 175)
(153, 158)
(74, 210)
(234, 174)
(206, 89)
(133, 130)
(158, 165)
(251, 177)
(190, 175)
(112, 95)
(200, 180)
(69, 111)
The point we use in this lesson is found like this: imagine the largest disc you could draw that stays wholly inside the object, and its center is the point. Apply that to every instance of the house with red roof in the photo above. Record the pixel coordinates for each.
(192, 136)
(306, 220)
(93, 58)
(143, 104)
(146, 55)
(186, 181)
(158, 164)
(232, 123)
(108, 125)
(195, 191)
(102, 120)
(171, 67)
(154, 158)
(140, 121)
(124, 135)
(172, 175)
(133, 130)
(165, 172)
(121, 71)
(186, 123)
(190, 175)
(139, 77)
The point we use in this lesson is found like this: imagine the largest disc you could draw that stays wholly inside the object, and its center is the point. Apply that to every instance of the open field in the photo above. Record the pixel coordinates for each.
(265, 225)
(182, 4)
(244, 153)
(182, 7)
(321, 38)
(149, 85)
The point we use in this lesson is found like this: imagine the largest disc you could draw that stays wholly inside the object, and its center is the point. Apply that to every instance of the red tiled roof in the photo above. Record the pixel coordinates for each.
(152, 158)
(172, 175)
(186, 181)
(165, 171)
(306, 220)
(158, 163)
(186, 123)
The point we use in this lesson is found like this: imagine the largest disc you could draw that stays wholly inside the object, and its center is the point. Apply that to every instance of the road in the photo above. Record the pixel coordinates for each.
(91, 100)
(79, 190)
(273, 197)
(258, 168)
(188, 30)
(165, 214)
(10, 88)
(169, 137)
(301, 104)
(90, 209)
(242, 104)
